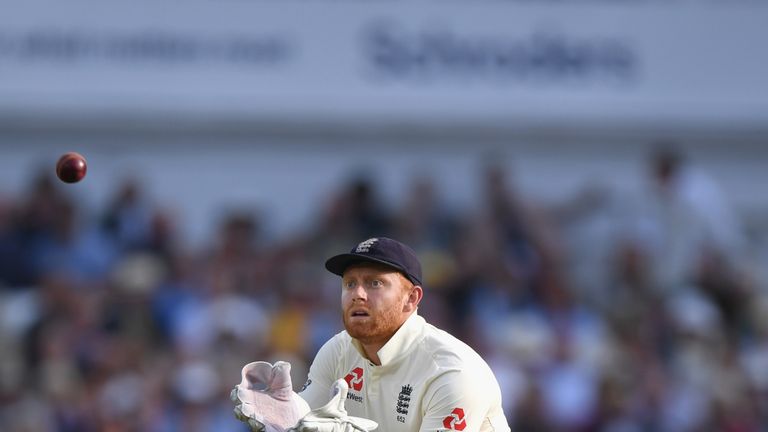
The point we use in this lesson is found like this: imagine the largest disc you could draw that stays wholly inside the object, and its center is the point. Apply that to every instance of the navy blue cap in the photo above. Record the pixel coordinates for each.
(381, 250)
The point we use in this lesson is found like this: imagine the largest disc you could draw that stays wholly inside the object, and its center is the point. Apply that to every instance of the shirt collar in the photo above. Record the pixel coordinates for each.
(402, 340)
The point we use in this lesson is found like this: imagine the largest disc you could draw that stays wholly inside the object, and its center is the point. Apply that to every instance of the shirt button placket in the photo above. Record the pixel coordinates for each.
(374, 384)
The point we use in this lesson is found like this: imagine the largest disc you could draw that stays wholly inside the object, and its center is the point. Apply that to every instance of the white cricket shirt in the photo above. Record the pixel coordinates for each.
(428, 381)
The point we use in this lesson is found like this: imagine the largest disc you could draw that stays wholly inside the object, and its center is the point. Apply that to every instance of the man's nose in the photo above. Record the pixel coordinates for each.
(358, 292)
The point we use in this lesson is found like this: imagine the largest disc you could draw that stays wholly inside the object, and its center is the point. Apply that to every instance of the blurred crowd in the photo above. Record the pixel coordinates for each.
(613, 312)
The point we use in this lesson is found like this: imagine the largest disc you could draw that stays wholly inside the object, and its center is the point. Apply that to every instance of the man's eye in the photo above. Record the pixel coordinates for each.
(349, 284)
(376, 283)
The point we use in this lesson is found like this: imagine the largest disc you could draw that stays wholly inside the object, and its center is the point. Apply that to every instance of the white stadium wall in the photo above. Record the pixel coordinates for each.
(590, 61)
(214, 103)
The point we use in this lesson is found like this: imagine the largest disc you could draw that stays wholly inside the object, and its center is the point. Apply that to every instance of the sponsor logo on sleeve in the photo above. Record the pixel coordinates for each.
(456, 420)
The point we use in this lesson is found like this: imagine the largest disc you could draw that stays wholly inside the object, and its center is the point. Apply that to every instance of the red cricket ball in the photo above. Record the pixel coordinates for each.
(71, 167)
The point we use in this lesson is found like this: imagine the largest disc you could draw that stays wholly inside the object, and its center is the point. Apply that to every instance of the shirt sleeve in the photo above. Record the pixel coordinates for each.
(458, 400)
(317, 389)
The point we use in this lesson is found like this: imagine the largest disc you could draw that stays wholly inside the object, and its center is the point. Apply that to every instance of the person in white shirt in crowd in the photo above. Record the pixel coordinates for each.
(389, 368)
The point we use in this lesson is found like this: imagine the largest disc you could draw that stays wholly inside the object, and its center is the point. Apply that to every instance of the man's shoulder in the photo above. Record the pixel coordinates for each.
(448, 351)
(339, 341)
(340, 346)
(460, 372)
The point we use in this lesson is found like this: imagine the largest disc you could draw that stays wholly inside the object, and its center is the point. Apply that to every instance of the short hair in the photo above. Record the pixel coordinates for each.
(407, 283)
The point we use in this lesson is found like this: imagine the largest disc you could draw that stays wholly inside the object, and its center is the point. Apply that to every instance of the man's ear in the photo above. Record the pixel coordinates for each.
(414, 298)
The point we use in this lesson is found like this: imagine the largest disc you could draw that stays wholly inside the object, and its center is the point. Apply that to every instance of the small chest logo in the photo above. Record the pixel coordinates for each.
(456, 420)
(354, 379)
(306, 384)
(403, 402)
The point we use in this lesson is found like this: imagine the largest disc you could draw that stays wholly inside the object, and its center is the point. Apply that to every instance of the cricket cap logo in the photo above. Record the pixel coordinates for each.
(365, 246)
(355, 379)
(456, 420)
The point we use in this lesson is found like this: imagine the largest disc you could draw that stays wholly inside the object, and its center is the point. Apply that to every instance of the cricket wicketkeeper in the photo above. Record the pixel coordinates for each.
(389, 369)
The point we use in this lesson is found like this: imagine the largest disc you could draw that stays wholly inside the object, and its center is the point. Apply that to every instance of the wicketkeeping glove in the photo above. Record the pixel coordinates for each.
(332, 417)
(265, 398)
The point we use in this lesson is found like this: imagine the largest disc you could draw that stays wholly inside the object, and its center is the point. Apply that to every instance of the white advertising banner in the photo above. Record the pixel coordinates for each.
(402, 60)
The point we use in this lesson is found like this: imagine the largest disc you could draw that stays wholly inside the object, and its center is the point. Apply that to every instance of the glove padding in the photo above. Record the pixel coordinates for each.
(333, 417)
(265, 399)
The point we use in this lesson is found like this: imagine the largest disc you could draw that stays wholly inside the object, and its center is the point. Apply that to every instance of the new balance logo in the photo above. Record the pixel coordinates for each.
(354, 379)
(456, 420)
(306, 384)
